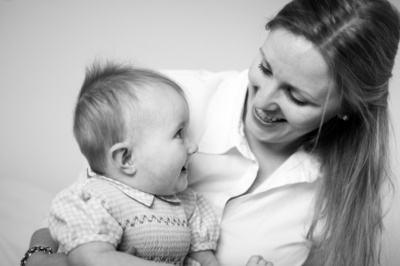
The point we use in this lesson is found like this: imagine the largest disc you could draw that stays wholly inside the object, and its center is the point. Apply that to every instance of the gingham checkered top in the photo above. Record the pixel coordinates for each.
(160, 228)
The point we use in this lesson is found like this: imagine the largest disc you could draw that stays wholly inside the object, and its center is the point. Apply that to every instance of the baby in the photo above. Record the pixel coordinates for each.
(131, 125)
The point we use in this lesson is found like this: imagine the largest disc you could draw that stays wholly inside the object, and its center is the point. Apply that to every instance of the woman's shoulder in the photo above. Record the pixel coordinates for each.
(201, 74)
(192, 80)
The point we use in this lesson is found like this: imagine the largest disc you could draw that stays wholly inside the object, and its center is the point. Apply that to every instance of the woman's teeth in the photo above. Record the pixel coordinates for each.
(266, 118)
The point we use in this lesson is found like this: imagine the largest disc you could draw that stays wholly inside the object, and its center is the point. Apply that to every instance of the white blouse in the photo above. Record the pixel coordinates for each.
(273, 220)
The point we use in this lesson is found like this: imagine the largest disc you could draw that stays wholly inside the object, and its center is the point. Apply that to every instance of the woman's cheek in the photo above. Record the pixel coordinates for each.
(303, 120)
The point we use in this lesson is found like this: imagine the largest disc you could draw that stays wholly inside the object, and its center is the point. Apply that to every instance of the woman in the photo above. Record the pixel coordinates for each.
(293, 153)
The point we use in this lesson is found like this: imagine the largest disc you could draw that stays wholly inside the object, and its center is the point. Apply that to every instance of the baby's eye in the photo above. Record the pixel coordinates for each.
(179, 134)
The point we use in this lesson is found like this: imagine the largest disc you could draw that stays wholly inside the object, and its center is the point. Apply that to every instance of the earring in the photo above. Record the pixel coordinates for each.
(344, 117)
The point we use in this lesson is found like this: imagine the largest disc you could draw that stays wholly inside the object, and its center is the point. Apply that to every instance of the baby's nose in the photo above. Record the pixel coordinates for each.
(192, 148)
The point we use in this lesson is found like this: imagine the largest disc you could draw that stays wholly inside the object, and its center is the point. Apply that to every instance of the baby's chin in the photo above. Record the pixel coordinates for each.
(183, 183)
(180, 186)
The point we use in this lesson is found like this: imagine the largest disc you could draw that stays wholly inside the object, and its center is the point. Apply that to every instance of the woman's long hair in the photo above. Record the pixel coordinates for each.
(358, 39)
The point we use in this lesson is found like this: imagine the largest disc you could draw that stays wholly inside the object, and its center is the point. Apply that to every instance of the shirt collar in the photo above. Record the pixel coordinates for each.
(300, 167)
(145, 198)
(224, 130)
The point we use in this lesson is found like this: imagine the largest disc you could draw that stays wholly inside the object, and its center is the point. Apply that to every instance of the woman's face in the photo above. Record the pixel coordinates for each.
(290, 90)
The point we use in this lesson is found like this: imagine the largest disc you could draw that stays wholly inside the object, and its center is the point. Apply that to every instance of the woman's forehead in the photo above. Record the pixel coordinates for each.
(296, 62)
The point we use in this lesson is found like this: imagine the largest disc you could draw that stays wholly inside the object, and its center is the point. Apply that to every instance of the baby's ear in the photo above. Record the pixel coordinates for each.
(122, 157)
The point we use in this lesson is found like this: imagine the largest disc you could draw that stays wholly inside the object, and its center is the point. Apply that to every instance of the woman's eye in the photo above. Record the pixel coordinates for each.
(294, 99)
(298, 102)
(264, 70)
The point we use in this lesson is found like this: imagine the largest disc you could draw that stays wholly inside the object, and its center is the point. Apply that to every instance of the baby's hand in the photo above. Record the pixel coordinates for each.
(258, 260)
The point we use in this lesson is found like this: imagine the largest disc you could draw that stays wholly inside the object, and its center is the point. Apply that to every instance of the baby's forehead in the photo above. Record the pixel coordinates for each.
(160, 89)
(158, 97)
(161, 110)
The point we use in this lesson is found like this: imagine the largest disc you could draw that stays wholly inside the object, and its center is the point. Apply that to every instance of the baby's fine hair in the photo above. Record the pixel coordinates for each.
(109, 92)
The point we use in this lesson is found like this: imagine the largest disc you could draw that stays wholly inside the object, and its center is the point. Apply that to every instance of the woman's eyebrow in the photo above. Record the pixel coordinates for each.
(265, 60)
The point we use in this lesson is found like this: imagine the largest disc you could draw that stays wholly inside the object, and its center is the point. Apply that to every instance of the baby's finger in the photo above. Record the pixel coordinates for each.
(262, 262)
(254, 260)
(258, 260)
(268, 263)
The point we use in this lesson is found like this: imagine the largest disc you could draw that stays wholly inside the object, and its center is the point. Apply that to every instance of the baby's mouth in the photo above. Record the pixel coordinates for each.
(266, 118)
(184, 169)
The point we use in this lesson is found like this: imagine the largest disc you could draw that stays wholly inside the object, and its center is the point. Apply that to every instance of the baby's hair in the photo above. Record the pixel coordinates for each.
(109, 92)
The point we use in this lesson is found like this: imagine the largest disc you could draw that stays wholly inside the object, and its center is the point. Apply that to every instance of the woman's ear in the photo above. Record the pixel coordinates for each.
(122, 157)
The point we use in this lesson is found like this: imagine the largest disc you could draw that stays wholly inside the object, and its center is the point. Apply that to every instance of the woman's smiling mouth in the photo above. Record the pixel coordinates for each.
(265, 118)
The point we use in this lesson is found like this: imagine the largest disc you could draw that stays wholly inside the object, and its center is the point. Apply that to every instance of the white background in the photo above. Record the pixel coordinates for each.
(44, 48)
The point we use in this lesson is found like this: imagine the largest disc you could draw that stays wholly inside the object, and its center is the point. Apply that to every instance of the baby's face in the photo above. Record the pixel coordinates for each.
(161, 147)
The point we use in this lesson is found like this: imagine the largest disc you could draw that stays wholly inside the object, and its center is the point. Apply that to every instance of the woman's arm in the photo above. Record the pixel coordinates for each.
(95, 253)
(104, 254)
(43, 238)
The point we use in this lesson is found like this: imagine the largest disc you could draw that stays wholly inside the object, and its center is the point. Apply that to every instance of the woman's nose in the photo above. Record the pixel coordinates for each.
(267, 96)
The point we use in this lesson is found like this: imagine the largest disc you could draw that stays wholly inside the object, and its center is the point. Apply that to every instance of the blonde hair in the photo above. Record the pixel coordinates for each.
(359, 41)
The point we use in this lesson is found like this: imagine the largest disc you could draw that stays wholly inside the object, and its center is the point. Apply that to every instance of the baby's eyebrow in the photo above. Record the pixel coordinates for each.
(179, 125)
